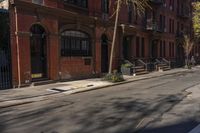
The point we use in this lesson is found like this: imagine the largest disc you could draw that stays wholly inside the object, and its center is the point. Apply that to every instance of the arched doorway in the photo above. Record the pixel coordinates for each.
(104, 54)
(38, 51)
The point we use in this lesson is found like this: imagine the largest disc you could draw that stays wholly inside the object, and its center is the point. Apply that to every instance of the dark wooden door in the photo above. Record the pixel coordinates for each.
(125, 48)
(180, 56)
(38, 53)
(104, 54)
(154, 49)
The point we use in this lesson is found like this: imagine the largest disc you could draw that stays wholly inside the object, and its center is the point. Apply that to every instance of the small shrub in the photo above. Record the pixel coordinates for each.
(127, 65)
(114, 77)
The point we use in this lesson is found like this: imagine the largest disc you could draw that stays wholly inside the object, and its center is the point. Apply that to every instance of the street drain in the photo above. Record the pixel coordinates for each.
(61, 90)
(90, 85)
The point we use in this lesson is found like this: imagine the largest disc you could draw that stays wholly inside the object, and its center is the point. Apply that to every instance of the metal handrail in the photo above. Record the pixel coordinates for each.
(158, 61)
(166, 61)
(142, 62)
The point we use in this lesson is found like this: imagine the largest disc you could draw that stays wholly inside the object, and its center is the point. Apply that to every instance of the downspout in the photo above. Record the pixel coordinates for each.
(17, 43)
(94, 49)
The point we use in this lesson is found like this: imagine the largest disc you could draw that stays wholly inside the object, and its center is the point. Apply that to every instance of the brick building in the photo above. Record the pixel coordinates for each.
(68, 39)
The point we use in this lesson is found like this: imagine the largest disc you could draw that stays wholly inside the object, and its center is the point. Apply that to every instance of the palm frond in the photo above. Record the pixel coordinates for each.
(141, 5)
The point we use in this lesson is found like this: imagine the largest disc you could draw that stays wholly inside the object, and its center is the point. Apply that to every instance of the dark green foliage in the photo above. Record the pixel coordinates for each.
(114, 77)
(127, 65)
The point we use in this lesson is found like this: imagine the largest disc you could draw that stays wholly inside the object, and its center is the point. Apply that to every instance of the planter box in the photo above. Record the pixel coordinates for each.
(127, 70)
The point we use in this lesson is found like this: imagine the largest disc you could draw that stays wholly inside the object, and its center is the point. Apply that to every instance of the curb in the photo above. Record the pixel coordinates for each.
(124, 82)
(21, 102)
(12, 103)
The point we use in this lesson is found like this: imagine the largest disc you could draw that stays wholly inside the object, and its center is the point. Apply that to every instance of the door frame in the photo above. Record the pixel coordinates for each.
(45, 70)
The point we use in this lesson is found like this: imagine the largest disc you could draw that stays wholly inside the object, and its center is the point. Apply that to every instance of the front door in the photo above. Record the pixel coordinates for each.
(126, 48)
(38, 53)
(180, 56)
(154, 49)
(104, 54)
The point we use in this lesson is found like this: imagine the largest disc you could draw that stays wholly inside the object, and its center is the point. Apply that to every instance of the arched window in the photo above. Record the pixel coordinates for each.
(75, 43)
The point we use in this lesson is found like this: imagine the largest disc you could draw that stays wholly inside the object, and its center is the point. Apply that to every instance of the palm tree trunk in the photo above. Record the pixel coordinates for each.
(114, 37)
(188, 63)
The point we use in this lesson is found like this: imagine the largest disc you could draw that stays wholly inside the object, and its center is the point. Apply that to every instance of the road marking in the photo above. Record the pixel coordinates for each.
(196, 129)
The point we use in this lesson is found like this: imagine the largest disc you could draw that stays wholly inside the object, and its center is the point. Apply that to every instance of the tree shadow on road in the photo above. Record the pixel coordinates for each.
(179, 127)
(113, 115)
(123, 115)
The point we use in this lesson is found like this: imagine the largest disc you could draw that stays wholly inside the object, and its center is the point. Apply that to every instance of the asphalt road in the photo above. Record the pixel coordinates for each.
(148, 106)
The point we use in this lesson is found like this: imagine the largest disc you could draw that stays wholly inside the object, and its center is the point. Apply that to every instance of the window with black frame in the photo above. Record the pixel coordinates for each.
(130, 11)
(75, 43)
(105, 6)
(80, 3)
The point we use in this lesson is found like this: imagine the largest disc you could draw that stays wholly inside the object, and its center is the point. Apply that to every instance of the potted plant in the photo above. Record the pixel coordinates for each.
(127, 69)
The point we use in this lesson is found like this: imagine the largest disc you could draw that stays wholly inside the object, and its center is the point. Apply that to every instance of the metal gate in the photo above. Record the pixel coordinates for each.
(5, 52)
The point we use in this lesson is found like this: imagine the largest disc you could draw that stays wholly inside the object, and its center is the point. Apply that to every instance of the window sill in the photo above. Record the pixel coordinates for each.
(87, 57)
(83, 57)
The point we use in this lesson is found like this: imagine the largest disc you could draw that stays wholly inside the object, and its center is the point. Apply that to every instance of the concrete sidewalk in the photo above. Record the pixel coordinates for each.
(14, 97)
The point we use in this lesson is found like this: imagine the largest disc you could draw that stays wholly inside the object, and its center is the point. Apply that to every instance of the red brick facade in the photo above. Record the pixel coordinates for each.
(55, 17)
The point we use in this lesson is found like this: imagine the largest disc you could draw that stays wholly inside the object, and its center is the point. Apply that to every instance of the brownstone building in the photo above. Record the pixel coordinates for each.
(68, 39)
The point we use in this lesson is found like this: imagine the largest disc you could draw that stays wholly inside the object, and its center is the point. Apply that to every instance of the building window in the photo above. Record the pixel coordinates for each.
(178, 28)
(171, 26)
(182, 27)
(164, 3)
(171, 5)
(105, 6)
(162, 23)
(80, 3)
(178, 6)
(130, 12)
(75, 43)
(40, 2)
(135, 13)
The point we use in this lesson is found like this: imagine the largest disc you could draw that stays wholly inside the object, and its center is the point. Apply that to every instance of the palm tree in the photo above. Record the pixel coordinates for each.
(141, 6)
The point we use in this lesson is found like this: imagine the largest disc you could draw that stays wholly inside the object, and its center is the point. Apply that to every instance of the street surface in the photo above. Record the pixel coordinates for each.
(168, 104)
